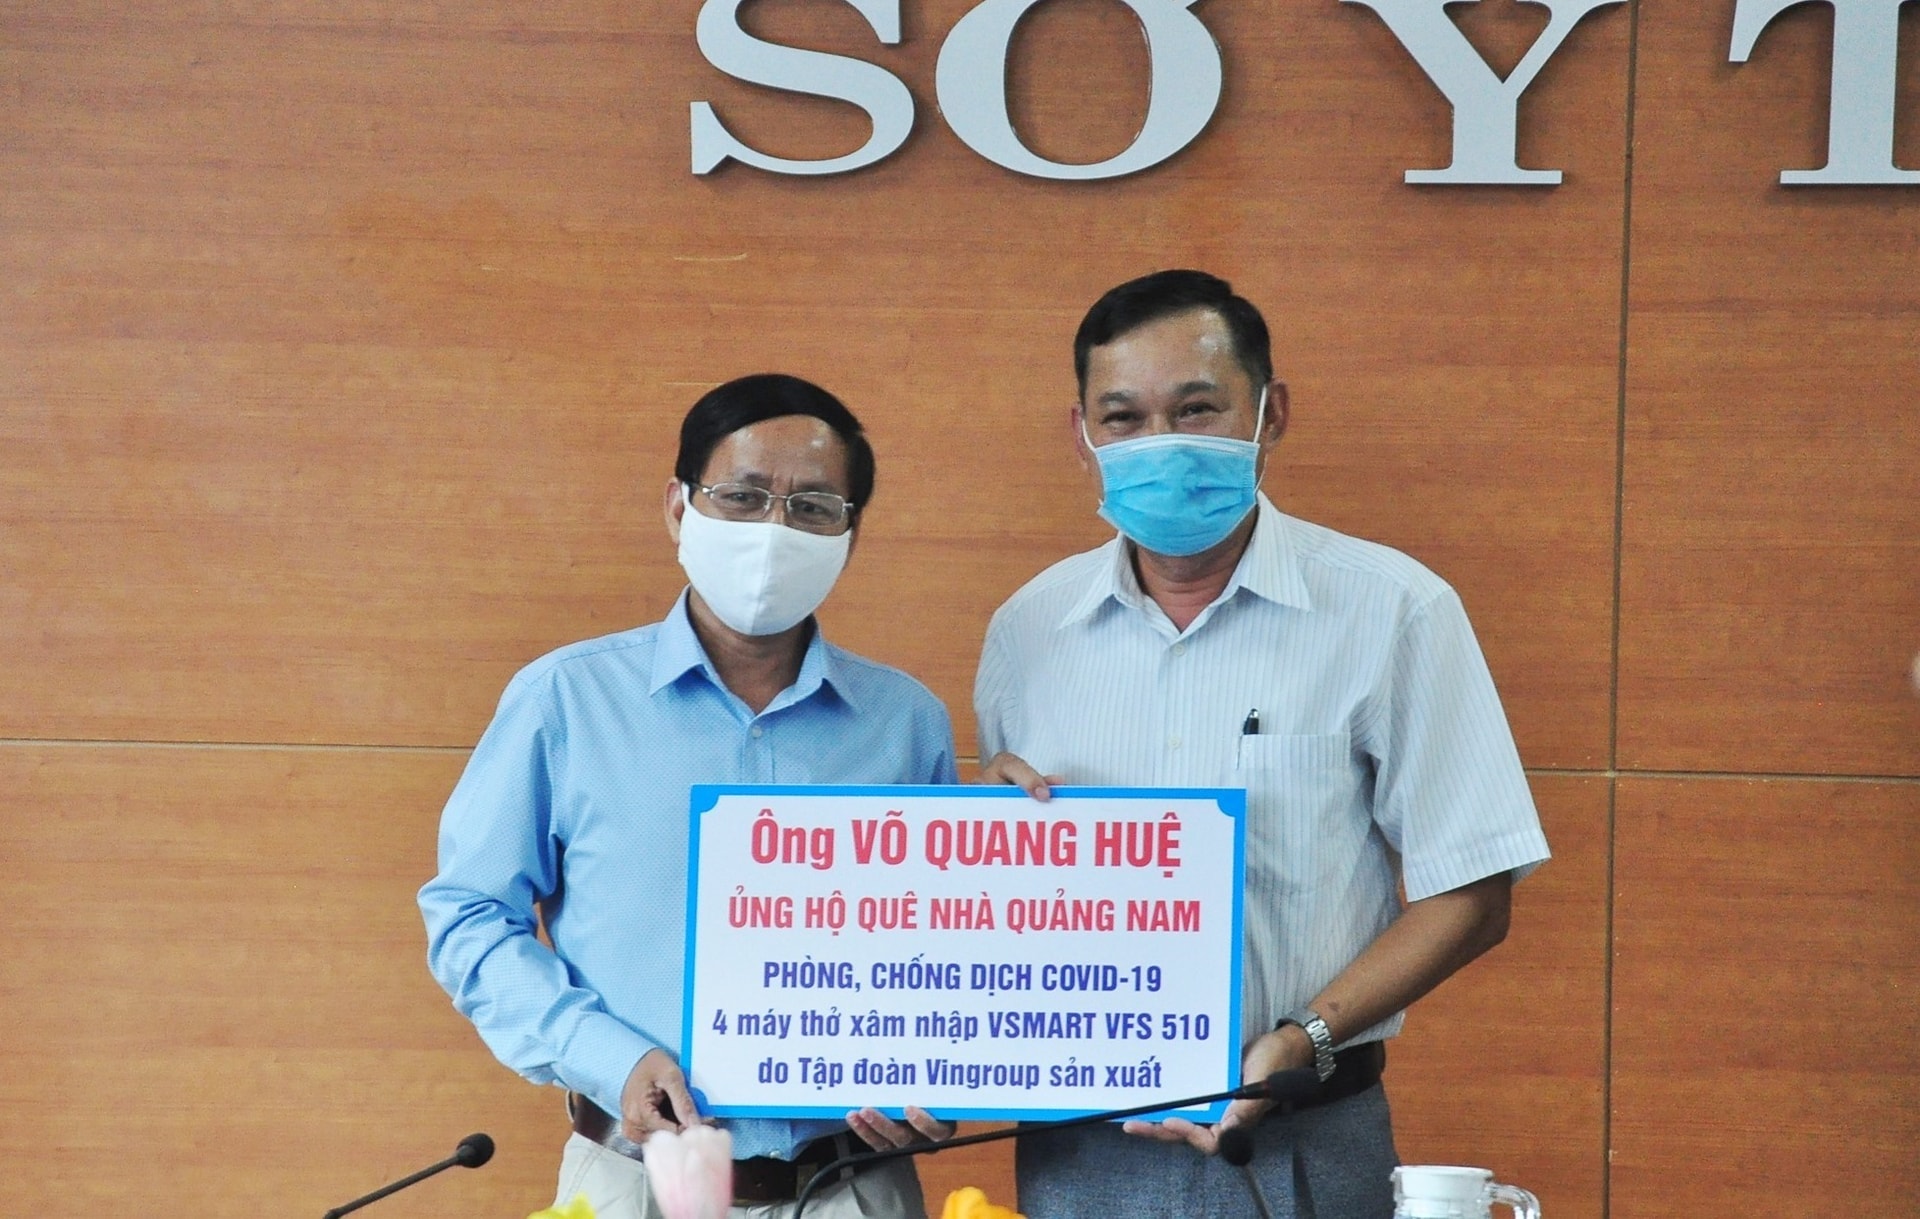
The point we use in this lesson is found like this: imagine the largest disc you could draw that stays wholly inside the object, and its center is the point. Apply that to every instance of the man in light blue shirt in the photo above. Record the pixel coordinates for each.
(1219, 642)
(573, 810)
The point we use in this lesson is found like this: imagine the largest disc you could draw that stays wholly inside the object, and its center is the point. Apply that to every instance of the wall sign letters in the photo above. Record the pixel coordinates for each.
(1866, 35)
(970, 83)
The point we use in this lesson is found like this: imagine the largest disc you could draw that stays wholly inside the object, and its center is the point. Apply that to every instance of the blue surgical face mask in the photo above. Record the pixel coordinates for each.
(1179, 494)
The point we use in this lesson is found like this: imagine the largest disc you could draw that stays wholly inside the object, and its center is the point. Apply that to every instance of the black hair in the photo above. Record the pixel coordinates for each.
(745, 401)
(1163, 294)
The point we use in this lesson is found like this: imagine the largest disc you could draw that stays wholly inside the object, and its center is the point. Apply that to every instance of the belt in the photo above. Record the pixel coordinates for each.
(757, 1181)
(1355, 1069)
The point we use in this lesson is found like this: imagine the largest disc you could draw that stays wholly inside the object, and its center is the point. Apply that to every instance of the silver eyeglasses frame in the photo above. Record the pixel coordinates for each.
(751, 503)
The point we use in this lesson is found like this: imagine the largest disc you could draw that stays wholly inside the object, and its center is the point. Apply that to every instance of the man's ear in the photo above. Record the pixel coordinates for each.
(672, 505)
(1272, 427)
(1076, 424)
(1275, 425)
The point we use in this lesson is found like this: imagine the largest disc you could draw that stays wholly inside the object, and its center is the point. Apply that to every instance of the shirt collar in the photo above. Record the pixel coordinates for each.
(1268, 569)
(677, 652)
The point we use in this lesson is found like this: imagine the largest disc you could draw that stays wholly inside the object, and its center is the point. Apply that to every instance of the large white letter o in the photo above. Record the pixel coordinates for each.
(971, 83)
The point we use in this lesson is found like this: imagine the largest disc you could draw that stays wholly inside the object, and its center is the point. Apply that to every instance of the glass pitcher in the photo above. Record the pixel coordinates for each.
(1436, 1191)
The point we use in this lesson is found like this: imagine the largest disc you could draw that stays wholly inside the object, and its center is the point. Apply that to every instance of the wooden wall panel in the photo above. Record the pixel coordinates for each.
(1537, 1005)
(216, 992)
(217, 998)
(1771, 547)
(348, 348)
(245, 916)
(1766, 1046)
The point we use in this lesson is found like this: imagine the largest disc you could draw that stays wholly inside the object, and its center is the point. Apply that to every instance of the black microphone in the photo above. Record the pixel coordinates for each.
(473, 1151)
(1236, 1148)
(1285, 1088)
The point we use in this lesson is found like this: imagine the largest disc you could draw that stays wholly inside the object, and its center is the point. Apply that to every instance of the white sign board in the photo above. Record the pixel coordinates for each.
(964, 949)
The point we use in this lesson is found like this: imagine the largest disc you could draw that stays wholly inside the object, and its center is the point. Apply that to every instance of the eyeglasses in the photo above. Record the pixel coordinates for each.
(807, 511)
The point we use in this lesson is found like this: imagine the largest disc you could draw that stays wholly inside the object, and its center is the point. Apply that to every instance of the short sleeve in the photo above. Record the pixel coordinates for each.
(1450, 794)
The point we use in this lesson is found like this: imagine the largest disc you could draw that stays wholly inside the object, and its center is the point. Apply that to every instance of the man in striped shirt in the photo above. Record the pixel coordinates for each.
(1219, 642)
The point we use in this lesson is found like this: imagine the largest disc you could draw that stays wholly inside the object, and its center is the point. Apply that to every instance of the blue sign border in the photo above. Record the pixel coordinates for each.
(705, 797)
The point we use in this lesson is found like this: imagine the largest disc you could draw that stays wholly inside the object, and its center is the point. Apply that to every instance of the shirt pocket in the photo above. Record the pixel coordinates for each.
(1302, 829)
(1332, 751)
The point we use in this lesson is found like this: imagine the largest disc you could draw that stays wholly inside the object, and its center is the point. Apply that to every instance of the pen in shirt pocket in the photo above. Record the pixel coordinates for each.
(1251, 725)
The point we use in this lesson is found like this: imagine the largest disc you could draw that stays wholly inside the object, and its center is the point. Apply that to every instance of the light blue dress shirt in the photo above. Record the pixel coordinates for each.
(574, 806)
(1380, 756)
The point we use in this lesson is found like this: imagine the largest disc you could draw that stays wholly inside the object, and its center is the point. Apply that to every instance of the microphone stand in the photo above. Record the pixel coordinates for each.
(473, 1151)
(394, 1188)
(1236, 1148)
(1283, 1086)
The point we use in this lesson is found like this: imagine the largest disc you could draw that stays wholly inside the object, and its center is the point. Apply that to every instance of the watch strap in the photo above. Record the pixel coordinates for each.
(1319, 1034)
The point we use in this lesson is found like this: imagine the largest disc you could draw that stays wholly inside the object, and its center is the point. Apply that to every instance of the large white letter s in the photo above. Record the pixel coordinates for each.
(880, 93)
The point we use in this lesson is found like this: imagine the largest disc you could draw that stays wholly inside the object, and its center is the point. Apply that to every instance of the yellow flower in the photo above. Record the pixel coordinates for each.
(971, 1203)
(576, 1209)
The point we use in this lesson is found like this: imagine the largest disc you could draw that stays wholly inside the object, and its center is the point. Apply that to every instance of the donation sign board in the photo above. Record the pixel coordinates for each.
(965, 949)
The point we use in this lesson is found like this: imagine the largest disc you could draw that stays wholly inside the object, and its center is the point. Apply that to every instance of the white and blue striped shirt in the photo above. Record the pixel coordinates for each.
(1381, 754)
(574, 808)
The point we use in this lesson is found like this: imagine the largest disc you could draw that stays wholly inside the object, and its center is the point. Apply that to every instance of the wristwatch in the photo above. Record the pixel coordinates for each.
(1318, 1033)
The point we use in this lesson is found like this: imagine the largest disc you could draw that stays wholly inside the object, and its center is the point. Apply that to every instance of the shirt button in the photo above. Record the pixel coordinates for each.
(1173, 742)
(1179, 649)
(757, 731)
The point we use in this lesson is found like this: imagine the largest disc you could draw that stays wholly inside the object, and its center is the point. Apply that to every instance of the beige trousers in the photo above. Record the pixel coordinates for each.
(616, 1188)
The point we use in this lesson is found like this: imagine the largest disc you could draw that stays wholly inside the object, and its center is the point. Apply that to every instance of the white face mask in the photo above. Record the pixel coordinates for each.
(758, 577)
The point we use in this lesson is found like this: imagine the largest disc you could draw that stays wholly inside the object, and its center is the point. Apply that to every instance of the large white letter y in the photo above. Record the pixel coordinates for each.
(1486, 109)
